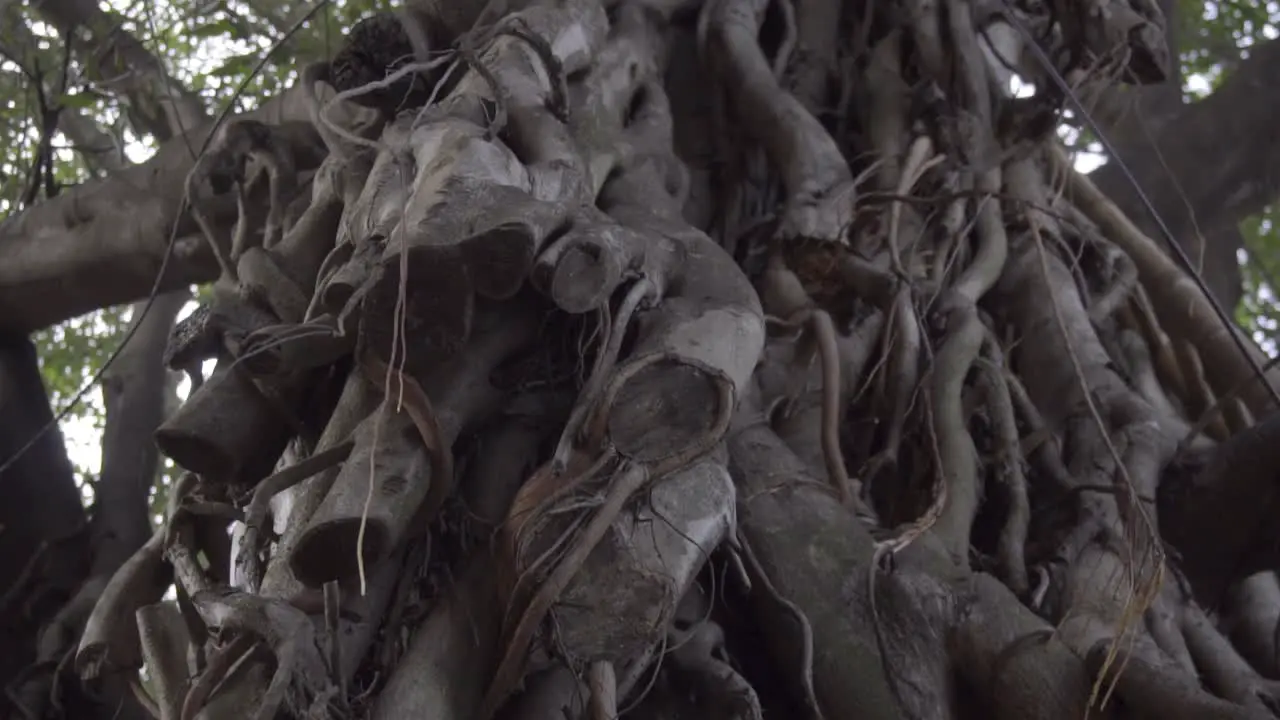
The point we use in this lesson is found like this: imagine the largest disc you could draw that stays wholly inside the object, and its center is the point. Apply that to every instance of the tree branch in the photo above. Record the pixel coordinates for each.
(1208, 167)
(101, 243)
(121, 63)
(99, 150)
(133, 390)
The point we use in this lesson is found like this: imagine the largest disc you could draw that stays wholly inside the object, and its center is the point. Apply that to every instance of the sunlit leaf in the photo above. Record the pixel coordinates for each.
(214, 29)
(79, 101)
(235, 66)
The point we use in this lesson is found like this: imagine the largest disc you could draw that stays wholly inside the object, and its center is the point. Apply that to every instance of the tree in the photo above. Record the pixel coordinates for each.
(667, 358)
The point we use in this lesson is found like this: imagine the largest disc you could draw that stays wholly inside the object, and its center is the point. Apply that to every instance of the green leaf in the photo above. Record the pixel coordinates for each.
(221, 28)
(79, 101)
(236, 66)
(204, 293)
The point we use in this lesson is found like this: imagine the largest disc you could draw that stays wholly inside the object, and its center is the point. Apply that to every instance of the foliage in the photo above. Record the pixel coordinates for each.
(1215, 34)
(70, 353)
(1260, 270)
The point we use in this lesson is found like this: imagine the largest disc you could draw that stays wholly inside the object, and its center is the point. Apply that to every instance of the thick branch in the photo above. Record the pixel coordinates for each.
(133, 391)
(1208, 167)
(101, 243)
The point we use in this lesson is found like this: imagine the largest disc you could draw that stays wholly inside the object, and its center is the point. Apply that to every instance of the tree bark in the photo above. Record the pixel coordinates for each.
(1172, 180)
(102, 243)
(1134, 119)
(135, 393)
(499, 431)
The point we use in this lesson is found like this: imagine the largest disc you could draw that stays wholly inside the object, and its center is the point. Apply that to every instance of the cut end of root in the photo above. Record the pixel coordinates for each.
(194, 452)
(499, 259)
(328, 551)
(436, 315)
(90, 661)
(663, 410)
(584, 275)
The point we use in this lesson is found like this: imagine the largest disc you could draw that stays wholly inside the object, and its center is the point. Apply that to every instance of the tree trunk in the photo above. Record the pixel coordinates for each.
(680, 359)
(44, 548)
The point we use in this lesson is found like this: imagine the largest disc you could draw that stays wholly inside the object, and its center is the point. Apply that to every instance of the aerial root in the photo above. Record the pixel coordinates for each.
(992, 307)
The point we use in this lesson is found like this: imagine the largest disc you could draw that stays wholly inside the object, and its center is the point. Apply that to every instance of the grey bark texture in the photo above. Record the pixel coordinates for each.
(559, 344)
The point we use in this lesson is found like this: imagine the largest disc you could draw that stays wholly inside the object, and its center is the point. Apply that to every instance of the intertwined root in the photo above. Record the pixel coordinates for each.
(966, 372)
